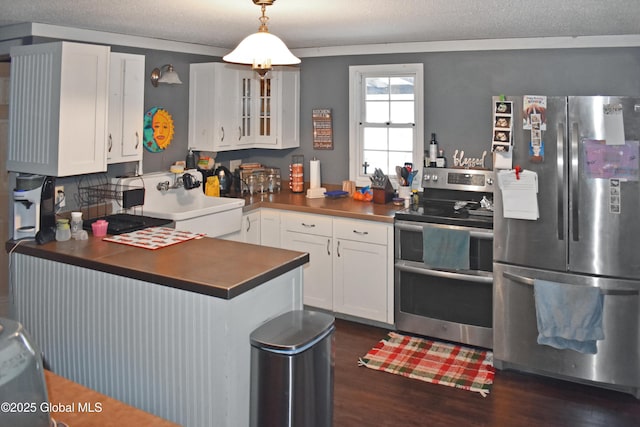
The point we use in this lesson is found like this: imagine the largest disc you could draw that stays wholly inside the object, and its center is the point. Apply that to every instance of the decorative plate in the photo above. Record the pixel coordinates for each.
(158, 129)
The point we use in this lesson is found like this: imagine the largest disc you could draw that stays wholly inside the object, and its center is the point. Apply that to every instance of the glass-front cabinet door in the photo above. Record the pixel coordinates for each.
(258, 109)
(246, 108)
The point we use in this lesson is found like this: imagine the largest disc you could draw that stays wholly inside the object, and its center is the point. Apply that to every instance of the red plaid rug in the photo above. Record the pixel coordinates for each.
(433, 361)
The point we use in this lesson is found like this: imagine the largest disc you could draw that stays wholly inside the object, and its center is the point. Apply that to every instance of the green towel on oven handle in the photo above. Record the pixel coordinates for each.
(445, 248)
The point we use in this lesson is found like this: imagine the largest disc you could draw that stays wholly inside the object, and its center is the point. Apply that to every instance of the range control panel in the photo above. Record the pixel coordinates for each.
(458, 179)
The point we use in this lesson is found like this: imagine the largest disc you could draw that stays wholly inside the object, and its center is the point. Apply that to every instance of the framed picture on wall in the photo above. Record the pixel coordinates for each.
(322, 129)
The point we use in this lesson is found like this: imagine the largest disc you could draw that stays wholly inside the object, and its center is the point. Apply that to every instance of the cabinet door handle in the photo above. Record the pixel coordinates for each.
(137, 140)
(248, 224)
(239, 133)
(308, 225)
(338, 249)
(329, 246)
(222, 137)
(110, 143)
(361, 233)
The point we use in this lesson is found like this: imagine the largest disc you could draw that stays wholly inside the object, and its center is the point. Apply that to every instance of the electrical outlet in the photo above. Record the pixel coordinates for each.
(234, 164)
(60, 196)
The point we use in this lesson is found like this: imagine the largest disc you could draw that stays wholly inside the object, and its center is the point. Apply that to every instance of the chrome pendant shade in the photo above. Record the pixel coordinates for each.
(262, 50)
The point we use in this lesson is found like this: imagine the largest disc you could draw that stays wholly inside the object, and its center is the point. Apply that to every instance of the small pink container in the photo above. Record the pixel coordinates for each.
(100, 228)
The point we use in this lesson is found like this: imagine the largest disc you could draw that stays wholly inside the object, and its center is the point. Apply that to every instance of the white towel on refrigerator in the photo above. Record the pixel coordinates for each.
(519, 196)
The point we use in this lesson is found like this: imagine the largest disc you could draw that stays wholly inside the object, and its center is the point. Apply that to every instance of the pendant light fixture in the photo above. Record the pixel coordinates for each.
(262, 50)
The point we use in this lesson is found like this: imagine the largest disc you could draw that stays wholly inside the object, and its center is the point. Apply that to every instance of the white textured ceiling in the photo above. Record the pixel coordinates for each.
(325, 23)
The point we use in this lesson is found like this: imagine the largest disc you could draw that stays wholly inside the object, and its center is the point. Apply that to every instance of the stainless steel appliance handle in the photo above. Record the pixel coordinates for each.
(575, 136)
(529, 281)
(401, 266)
(560, 179)
(477, 233)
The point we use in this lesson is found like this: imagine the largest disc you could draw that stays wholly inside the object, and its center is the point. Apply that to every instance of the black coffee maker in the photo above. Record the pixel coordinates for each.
(34, 211)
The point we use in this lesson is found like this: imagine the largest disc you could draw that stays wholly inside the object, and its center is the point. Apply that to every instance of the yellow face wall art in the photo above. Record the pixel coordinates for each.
(158, 129)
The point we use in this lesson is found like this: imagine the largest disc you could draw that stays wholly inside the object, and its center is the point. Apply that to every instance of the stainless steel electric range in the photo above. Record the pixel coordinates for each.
(454, 305)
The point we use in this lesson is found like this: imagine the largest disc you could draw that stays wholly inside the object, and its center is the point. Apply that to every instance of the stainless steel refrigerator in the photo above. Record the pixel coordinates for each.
(587, 234)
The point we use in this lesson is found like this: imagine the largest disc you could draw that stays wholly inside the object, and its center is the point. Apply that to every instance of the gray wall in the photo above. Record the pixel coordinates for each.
(458, 91)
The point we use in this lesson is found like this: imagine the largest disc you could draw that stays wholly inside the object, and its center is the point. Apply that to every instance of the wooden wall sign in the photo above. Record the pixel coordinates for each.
(322, 129)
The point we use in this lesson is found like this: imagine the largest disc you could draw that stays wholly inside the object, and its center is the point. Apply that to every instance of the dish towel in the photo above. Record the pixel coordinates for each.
(445, 248)
(569, 316)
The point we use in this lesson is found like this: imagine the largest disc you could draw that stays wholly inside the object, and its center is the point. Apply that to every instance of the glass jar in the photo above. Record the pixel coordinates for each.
(63, 230)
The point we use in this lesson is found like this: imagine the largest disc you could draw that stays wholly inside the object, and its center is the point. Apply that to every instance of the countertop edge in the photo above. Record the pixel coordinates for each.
(198, 287)
(251, 206)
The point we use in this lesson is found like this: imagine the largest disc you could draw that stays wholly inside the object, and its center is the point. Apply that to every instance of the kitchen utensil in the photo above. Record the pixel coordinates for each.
(411, 176)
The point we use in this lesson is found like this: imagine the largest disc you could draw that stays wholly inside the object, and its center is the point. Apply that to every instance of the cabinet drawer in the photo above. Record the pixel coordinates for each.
(360, 231)
(304, 223)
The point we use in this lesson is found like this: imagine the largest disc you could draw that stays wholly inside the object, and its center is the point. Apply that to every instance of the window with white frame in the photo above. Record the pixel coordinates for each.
(386, 119)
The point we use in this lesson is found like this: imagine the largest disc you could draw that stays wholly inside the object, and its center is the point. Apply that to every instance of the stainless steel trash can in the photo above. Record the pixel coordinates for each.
(292, 371)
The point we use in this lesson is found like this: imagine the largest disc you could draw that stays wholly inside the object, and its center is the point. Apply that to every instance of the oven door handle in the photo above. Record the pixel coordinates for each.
(402, 266)
(404, 226)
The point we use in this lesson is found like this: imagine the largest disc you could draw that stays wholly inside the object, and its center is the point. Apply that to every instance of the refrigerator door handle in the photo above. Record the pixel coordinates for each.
(560, 180)
(529, 281)
(575, 136)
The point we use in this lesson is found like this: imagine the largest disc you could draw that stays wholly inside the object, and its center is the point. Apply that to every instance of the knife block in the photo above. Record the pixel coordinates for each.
(383, 195)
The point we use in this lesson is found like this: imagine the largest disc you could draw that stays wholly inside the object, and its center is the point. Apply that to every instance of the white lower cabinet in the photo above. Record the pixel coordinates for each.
(350, 269)
(361, 269)
(250, 229)
(312, 234)
(270, 227)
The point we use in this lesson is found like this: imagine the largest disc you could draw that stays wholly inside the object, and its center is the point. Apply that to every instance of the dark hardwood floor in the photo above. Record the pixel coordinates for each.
(364, 397)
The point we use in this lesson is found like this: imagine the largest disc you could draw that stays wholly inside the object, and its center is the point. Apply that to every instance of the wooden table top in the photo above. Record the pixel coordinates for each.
(83, 407)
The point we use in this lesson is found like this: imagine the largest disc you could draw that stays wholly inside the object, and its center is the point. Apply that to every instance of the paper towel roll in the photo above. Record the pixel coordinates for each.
(314, 173)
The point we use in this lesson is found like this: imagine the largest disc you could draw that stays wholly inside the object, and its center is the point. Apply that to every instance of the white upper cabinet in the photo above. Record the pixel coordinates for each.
(231, 108)
(126, 108)
(213, 106)
(58, 109)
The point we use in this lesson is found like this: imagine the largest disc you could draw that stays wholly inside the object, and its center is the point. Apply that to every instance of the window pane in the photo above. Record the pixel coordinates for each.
(377, 86)
(402, 112)
(401, 139)
(402, 88)
(377, 159)
(397, 158)
(375, 139)
(377, 112)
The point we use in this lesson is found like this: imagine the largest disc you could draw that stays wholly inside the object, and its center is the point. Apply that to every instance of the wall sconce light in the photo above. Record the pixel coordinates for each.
(262, 50)
(170, 76)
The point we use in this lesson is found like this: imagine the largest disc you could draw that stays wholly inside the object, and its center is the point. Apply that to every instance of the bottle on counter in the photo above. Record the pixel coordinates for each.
(415, 198)
(433, 151)
(76, 224)
(63, 230)
(190, 162)
(441, 161)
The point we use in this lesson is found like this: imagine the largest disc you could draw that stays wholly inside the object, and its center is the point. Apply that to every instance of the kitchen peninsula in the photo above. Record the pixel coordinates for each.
(163, 330)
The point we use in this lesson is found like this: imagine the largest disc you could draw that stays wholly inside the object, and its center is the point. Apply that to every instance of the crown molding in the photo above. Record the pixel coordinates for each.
(34, 29)
(475, 45)
(9, 36)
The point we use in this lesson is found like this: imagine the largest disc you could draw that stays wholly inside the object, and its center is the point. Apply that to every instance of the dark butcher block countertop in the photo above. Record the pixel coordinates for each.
(343, 207)
(214, 267)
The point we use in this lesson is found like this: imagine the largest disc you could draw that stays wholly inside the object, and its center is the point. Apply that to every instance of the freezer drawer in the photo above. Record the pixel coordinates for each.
(616, 365)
